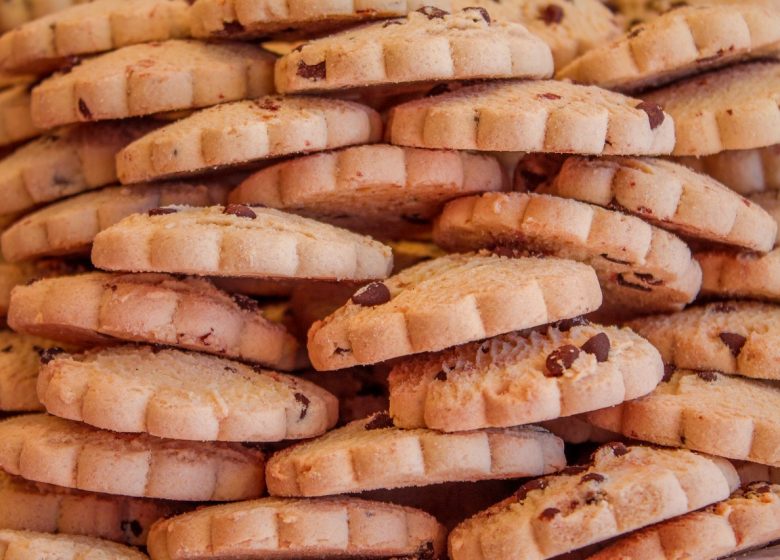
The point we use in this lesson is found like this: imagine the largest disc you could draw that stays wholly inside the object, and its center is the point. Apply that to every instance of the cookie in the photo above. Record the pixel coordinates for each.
(292, 18)
(380, 190)
(15, 117)
(631, 257)
(29, 545)
(731, 109)
(48, 449)
(32, 506)
(152, 78)
(575, 430)
(679, 43)
(745, 275)
(14, 274)
(669, 195)
(428, 45)
(770, 202)
(67, 227)
(239, 240)
(16, 12)
(730, 337)
(181, 395)
(524, 377)
(726, 415)
(248, 131)
(99, 308)
(50, 42)
(448, 301)
(745, 171)
(276, 528)
(624, 489)
(19, 364)
(533, 116)
(64, 163)
(749, 518)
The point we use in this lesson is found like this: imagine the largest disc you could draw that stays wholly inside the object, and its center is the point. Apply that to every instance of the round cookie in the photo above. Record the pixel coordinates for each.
(533, 116)
(639, 265)
(50, 42)
(14, 13)
(182, 395)
(569, 367)
(242, 241)
(624, 489)
(679, 43)
(745, 171)
(238, 133)
(15, 116)
(277, 528)
(731, 337)
(669, 195)
(29, 545)
(370, 454)
(750, 518)
(380, 190)
(63, 163)
(12, 275)
(152, 78)
(733, 108)
(696, 409)
(32, 506)
(68, 227)
(99, 308)
(48, 449)
(448, 301)
(745, 275)
(428, 45)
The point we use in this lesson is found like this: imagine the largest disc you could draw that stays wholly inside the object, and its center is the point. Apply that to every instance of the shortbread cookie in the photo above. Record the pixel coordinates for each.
(731, 337)
(574, 429)
(745, 171)
(181, 395)
(32, 506)
(749, 518)
(19, 364)
(428, 45)
(624, 489)
(15, 118)
(631, 257)
(448, 301)
(14, 13)
(746, 275)
(681, 42)
(725, 415)
(248, 131)
(239, 240)
(731, 109)
(569, 367)
(48, 449)
(669, 195)
(369, 454)
(68, 227)
(284, 528)
(12, 275)
(190, 313)
(48, 43)
(64, 163)
(153, 78)
(29, 545)
(381, 190)
(534, 116)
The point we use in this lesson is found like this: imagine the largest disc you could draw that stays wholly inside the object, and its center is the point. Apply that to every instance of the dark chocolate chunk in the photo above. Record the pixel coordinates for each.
(379, 421)
(560, 360)
(240, 210)
(161, 211)
(734, 341)
(431, 12)
(376, 293)
(48, 354)
(655, 113)
(618, 449)
(536, 484)
(599, 346)
(313, 72)
(84, 109)
(708, 376)
(305, 402)
(551, 14)
(592, 477)
(482, 12)
(549, 514)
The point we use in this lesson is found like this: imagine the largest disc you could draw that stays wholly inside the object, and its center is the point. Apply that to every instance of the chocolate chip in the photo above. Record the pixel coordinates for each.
(432, 12)
(441, 376)
(240, 210)
(549, 514)
(566, 325)
(231, 369)
(84, 109)
(48, 354)
(376, 293)
(592, 477)
(313, 72)
(379, 421)
(708, 376)
(754, 489)
(245, 303)
(551, 14)
(723, 307)
(547, 96)
(523, 491)
(621, 280)
(305, 402)
(599, 346)
(132, 526)
(669, 370)
(734, 341)
(618, 449)
(482, 12)
(594, 497)
(560, 360)
(573, 470)
(7, 349)
(161, 211)
(655, 113)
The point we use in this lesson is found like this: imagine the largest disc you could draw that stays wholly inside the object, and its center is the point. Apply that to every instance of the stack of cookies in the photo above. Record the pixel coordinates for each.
(449, 244)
